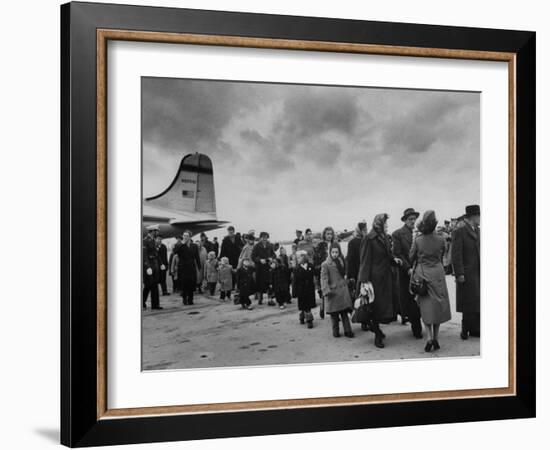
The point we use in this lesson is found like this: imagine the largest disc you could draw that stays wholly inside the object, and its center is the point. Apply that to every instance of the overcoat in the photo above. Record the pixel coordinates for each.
(334, 288)
(465, 257)
(265, 252)
(353, 257)
(231, 249)
(188, 262)
(427, 251)
(225, 277)
(305, 287)
(375, 266)
(245, 283)
(211, 270)
(200, 269)
(402, 242)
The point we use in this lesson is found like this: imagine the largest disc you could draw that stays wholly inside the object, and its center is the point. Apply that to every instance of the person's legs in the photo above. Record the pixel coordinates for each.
(413, 312)
(162, 282)
(378, 335)
(309, 318)
(155, 304)
(302, 317)
(335, 324)
(436, 336)
(146, 289)
(430, 333)
(346, 324)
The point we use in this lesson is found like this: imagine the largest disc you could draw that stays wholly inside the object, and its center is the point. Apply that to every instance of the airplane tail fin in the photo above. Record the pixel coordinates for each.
(192, 190)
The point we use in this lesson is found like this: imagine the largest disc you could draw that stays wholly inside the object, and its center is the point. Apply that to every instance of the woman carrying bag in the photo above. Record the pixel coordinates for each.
(428, 279)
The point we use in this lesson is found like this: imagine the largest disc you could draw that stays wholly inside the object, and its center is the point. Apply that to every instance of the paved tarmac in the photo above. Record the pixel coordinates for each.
(213, 333)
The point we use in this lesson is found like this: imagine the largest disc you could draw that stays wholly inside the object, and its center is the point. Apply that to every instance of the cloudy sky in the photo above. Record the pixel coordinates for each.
(296, 156)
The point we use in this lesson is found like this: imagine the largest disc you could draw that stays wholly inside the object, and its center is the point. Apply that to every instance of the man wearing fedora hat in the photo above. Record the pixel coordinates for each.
(402, 242)
(466, 264)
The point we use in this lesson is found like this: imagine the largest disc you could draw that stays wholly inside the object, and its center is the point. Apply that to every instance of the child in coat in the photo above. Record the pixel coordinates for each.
(280, 282)
(211, 269)
(305, 288)
(245, 283)
(225, 277)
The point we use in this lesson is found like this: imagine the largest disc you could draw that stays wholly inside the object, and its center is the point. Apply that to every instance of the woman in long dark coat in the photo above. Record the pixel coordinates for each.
(305, 288)
(188, 264)
(375, 267)
(426, 255)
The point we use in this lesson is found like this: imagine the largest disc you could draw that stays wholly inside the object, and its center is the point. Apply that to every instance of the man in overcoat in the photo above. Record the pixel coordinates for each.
(466, 265)
(402, 242)
(151, 267)
(354, 252)
(163, 264)
(188, 264)
(261, 255)
(231, 249)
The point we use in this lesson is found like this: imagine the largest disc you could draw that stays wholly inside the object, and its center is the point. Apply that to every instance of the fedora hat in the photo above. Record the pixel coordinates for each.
(472, 210)
(409, 212)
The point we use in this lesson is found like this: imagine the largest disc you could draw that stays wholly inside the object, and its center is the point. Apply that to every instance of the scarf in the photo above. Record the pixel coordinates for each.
(339, 266)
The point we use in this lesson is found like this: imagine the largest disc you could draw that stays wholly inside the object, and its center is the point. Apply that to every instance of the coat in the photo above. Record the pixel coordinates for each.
(321, 254)
(188, 262)
(163, 255)
(225, 277)
(402, 243)
(200, 269)
(334, 288)
(211, 270)
(264, 252)
(427, 251)
(231, 249)
(353, 258)
(245, 282)
(375, 266)
(465, 258)
(280, 280)
(305, 287)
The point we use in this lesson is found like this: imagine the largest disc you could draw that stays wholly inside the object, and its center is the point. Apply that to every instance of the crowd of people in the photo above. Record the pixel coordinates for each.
(398, 275)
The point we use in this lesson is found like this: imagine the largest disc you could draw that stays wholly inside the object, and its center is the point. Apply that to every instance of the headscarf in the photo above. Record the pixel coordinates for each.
(358, 233)
(428, 223)
(378, 223)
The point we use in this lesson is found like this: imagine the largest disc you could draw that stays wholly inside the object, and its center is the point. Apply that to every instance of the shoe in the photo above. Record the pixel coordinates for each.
(378, 341)
(270, 303)
(250, 308)
(436, 345)
(404, 320)
(418, 335)
(365, 326)
(428, 347)
(349, 334)
(157, 307)
(310, 324)
(282, 307)
(336, 334)
(464, 335)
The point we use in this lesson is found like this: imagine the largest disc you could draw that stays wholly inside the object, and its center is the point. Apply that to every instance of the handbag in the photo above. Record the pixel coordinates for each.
(363, 306)
(418, 284)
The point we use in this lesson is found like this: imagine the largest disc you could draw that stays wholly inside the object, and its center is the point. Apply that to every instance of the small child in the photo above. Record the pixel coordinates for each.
(280, 282)
(245, 283)
(305, 288)
(211, 272)
(225, 277)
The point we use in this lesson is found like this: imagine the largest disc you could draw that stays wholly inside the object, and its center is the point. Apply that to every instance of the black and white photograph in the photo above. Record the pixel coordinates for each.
(299, 224)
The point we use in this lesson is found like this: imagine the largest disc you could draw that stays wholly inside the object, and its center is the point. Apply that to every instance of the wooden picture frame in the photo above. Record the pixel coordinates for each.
(85, 416)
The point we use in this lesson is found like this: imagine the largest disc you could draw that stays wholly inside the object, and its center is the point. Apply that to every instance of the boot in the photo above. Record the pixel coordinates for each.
(309, 319)
(378, 340)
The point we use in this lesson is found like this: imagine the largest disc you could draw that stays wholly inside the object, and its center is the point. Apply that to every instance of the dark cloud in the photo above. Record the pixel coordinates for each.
(310, 111)
(283, 151)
